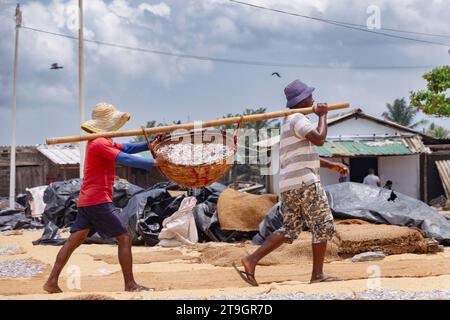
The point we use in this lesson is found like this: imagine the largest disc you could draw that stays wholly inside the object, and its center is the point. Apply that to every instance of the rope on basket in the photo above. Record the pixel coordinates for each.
(237, 133)
(236, 140)
(145, 136)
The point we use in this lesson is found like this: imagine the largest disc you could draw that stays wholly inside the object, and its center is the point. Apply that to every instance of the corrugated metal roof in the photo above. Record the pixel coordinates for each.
(69, 154)
(415, 144)
(376, 147)
(61, 154)
(443, 167)
(145, 154)
(362, 148)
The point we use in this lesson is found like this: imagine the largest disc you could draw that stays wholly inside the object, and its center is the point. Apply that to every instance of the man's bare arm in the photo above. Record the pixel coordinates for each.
(324, 163)
(334, 166)
(318, 136)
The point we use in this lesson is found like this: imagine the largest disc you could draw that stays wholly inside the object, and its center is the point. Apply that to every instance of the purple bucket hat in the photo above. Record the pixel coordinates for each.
(296, 91)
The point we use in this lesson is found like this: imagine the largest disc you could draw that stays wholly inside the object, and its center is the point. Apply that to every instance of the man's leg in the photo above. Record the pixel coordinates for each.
(291, 213)
(126, 263)
(74, 241)
(319, 250)
(250, 262)
(319, 219)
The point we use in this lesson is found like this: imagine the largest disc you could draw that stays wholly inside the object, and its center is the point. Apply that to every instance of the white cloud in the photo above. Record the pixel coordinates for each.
(216, 28)
(161, 9)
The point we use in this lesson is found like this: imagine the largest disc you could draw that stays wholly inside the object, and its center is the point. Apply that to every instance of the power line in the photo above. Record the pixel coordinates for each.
(345, 24)
(233, 61)
(140, 25)
(355, 24)
(398, 30)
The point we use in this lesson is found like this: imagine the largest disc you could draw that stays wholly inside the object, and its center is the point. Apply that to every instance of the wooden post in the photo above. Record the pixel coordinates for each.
(12, 177)
(82, 145)
(425, 178)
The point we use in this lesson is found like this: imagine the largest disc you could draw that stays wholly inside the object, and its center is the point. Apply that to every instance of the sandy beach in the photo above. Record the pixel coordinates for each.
(93, 272)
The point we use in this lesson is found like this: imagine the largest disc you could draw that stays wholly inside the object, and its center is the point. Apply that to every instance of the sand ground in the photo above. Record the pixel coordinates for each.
(180, 273)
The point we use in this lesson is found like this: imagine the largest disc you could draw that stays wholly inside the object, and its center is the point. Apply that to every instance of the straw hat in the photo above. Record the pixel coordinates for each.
(105, 117)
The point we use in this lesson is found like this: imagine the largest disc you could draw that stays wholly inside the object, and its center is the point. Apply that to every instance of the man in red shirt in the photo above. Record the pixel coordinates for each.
(96, 212)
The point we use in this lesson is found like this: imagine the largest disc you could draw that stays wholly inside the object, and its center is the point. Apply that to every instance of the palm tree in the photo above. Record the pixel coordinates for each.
(249, 171)
(402, 114)
(151, 124)
(437, 131)
(257, 126)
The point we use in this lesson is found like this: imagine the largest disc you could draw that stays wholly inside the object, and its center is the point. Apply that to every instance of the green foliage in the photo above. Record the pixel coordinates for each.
(399, 112)
(249, 172)
(151, 124)
(258, 125)
(437, 131)
(434, 100)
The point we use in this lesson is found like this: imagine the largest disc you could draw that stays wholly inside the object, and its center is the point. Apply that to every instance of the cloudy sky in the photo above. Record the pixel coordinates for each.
(165, 88)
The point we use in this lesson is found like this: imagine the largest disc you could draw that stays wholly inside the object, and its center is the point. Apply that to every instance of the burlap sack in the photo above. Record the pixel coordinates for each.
(241, 211)
(357, 238)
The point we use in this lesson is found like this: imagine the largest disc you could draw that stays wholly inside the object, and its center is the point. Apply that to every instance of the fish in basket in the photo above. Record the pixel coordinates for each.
(196, 158)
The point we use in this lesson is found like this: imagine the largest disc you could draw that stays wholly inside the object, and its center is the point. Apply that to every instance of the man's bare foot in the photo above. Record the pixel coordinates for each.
(323, 278)
(134, 287)
(52, 287)
(249, 267)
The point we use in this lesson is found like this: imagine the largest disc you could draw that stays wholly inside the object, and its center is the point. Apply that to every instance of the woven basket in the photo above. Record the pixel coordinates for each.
(195, 176)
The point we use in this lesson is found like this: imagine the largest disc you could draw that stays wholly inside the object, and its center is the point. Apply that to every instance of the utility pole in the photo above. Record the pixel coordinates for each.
(82, 145)
(12, 168)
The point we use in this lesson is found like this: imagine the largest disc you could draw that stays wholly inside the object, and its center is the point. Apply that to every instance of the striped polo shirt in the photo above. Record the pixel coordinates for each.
(299, 160)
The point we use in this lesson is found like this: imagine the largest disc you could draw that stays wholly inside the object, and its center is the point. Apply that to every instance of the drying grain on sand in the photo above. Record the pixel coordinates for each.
(90, 297)
(298, 252)
(149, 257)
(352, 237)
(203, 271)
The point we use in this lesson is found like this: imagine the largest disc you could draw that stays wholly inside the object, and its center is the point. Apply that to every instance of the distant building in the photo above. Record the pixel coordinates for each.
(361, 141)
(434, 183)
(43, 164)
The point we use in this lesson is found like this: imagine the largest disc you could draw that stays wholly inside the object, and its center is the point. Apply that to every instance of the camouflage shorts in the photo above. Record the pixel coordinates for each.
(307, 206)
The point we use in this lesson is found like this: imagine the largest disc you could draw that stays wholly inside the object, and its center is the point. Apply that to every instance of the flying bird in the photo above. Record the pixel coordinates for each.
(55, 66)
(276, 74)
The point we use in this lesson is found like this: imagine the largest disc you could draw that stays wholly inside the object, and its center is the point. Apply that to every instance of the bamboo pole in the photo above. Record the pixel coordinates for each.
(192, 125)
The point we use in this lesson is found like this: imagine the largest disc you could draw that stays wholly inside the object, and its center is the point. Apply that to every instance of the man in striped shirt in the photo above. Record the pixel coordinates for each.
(304, 201)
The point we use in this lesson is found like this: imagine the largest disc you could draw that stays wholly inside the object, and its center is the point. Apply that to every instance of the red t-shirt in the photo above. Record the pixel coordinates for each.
(99, 172)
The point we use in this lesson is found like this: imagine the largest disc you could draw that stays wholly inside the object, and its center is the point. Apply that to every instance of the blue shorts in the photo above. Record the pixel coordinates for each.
(102, 218)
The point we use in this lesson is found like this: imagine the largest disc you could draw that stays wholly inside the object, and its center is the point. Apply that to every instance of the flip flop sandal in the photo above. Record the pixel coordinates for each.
(244, 275)
(329, 279)
(143, 289)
